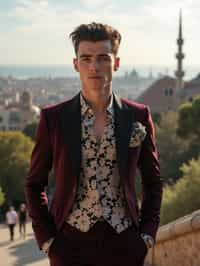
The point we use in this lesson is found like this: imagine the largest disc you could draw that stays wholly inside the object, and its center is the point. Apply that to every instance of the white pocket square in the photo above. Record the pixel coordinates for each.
(138, 134)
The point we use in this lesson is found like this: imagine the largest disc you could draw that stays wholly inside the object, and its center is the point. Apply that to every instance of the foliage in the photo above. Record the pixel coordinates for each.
(30, 130)
(171, 148)
(156, 118)
(15, 152)
(188, 119)
(2, 197)
(183, 197)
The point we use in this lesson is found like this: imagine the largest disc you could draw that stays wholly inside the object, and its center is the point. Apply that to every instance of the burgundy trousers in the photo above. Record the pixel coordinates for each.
(100, 246)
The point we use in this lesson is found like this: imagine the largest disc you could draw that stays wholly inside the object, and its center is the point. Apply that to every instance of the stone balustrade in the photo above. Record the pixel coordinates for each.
(177, 243)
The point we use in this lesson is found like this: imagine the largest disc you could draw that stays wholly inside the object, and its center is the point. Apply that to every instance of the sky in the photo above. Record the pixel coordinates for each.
(36, 31)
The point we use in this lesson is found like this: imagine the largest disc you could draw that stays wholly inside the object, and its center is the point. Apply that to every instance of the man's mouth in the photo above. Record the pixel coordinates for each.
(94, 77)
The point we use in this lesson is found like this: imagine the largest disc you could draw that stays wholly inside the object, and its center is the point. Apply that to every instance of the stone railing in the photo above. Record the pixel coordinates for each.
(177, 243)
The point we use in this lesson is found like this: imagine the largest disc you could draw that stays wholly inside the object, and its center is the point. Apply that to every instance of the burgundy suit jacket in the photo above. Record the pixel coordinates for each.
(58, 146)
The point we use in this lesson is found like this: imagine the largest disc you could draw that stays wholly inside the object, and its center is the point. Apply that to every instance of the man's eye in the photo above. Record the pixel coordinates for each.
(87, 59)
(105, 58)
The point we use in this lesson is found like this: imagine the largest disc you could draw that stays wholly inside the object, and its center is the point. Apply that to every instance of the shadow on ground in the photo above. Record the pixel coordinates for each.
(5, 243)
(8, 242)
(26, 252)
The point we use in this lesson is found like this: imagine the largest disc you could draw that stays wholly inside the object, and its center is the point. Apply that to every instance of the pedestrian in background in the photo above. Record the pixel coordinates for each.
(11, 221)
(22, 220)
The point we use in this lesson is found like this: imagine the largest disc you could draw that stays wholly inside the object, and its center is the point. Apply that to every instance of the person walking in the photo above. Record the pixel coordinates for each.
(11, 221)
(22, 220)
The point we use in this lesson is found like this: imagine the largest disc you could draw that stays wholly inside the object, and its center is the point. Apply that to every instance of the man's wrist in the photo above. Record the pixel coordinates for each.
(149, 241)
(46, 245)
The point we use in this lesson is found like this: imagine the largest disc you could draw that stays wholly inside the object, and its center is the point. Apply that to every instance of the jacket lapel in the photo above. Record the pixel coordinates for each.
(123, 128)
(71, 127)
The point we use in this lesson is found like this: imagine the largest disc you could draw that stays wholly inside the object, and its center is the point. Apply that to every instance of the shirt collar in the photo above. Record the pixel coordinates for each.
(85, 107)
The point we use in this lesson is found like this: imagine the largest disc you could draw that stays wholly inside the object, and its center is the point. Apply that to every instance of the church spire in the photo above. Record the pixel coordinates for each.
(180, 56)
(180, 25)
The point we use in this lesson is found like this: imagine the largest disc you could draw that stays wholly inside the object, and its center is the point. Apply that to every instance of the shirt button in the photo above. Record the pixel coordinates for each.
(90, 111)
(93, 184)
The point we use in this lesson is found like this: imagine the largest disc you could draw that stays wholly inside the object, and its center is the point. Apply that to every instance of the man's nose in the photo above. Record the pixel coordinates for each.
(94, 65)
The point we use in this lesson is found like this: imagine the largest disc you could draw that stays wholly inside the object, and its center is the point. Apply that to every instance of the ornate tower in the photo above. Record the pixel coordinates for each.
(25, 101)
(179, 73)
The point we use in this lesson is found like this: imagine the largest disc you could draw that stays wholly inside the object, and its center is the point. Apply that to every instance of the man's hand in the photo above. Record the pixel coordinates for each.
(148, 240)
(44, 198)
(47, 244)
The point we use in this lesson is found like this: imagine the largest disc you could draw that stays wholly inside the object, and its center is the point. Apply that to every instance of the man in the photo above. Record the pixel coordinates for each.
(11, 220)
(22, 214)
(95, 142)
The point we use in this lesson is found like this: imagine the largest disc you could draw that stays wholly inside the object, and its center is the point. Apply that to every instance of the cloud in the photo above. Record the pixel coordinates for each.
(149, 30)
(94, 3)
(39, 14)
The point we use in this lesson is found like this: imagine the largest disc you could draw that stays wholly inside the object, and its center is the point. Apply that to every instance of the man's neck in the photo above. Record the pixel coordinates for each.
(98, 103)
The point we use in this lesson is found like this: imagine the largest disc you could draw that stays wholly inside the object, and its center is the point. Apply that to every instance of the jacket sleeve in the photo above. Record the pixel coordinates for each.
(37, 180)
(151, 181)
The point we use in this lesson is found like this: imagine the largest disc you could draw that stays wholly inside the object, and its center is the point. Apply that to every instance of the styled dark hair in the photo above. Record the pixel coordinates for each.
(95, 32)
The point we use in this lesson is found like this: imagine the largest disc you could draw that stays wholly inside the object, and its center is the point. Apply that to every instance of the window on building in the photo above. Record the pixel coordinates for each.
(168, 92)
(14, 117)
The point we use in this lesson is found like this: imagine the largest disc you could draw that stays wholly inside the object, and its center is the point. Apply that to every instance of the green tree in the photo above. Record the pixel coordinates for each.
(30, 130)
(157, 118)
(15, 151)
(171, 148)
(189, 127)
(183, 197)
(2, 197)
(188, 119)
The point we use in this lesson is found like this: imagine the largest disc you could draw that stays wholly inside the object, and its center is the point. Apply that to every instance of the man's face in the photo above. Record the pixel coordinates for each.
(95, 63)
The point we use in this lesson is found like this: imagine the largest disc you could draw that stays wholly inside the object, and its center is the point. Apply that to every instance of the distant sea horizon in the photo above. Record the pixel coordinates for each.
(64, 71)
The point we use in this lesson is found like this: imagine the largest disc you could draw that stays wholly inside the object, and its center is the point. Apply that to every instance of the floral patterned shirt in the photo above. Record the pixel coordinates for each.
(100, 194)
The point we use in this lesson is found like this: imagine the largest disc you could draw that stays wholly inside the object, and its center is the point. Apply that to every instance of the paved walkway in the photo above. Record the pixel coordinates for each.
(20, 252)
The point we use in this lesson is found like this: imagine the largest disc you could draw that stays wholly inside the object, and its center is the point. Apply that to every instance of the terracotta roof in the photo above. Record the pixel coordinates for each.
(156, 89)
(155, 96)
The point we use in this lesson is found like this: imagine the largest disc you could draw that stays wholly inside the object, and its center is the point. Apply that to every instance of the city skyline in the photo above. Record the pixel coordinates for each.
(36, 31)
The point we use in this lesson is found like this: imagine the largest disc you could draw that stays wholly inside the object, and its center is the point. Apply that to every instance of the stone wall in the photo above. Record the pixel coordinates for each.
(177, 243)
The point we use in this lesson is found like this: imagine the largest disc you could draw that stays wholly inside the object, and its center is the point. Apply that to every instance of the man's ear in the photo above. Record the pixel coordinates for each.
(75, 63)
(116, 63)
